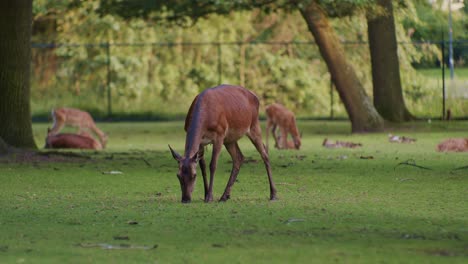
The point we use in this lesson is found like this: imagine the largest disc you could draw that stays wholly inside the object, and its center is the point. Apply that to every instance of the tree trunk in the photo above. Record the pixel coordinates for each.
(15, 54)
(3, 147)
(388, 95)
(361, 112)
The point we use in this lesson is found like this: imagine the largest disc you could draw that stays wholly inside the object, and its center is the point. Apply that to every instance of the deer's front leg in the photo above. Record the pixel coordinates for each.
(203, 170)
(275, 135)
(214, 161)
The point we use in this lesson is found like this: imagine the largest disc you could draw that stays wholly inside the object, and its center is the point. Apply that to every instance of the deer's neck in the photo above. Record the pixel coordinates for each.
(195, 132)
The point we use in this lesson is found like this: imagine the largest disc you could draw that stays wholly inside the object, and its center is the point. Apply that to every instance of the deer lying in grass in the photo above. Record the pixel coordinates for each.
(280, 116)
(453, 145)
(219, 115)
(74, 141)
(65, 116)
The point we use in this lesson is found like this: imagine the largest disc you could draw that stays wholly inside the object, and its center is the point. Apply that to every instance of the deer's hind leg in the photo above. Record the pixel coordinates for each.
(237, 160)
(102, 136)
(255, 136)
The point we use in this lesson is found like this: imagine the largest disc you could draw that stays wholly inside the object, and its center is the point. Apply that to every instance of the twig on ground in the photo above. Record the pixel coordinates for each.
(461, 168)
(412, 162)
(407, 179)
(147, 163)
(120, 246)
(285, 183)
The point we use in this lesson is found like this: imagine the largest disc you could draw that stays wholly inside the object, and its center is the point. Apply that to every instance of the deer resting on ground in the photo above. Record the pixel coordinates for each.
(74, 141)
(453, 145)
(280, 116)
(219, 116)
(76, 118)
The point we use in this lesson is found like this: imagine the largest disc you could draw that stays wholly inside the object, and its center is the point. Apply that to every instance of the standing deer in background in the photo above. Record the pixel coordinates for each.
(76, 118)
(219, 115)
(280, 116)
(74, 141)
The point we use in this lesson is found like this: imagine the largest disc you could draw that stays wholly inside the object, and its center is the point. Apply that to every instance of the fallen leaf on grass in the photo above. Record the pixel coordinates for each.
(112, 172)
(406, 179)
(293, 220)
(300, 157)
(217, 245)
(286, 165)
(120, 246)
(121, 238)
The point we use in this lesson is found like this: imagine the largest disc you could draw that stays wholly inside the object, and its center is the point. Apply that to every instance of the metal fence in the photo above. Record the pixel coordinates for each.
(159, 80)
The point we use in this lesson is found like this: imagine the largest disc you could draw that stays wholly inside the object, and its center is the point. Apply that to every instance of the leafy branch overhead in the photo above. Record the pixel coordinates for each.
(188, 12)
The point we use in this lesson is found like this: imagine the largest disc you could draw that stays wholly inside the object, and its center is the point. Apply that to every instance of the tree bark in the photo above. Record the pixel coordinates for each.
(388, 94)
(15, 54)
(362, 114)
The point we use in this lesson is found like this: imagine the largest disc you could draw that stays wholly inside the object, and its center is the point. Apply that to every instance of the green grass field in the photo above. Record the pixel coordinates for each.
(335, 205)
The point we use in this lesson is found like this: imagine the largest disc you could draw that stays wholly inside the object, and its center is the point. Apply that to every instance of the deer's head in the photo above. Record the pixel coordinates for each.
(187, 174)
(297, 142)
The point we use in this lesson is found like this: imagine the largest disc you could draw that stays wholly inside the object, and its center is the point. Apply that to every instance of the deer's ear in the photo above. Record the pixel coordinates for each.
(197, 156)
(175, 154)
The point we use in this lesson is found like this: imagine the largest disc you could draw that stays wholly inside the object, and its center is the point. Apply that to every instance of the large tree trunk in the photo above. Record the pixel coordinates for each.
(388, 96)
(15, 54)
(361, 112)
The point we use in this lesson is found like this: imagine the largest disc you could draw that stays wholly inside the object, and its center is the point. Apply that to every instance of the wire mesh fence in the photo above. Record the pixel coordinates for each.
(159, 80)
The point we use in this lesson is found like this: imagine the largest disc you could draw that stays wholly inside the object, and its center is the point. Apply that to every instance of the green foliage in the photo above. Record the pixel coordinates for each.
(334, 206)
(157, 69)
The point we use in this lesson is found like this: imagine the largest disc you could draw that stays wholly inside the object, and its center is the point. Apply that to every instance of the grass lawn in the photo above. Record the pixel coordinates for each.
(335, 205)
(461, 73)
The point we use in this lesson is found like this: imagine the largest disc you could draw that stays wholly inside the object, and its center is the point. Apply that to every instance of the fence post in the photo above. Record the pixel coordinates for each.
(220, 66)
(242, 64)
(109, 94)
(331, 98)
(443, 79)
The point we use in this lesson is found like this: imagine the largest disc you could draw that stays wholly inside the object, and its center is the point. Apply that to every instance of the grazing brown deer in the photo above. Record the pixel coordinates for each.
(453, 145)
(76, 118)
(74, 141)
(219, 115)
(280, 116)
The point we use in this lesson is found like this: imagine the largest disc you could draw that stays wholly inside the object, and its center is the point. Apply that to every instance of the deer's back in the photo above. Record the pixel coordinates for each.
(225, 108)
(280, 115)
(74, 117)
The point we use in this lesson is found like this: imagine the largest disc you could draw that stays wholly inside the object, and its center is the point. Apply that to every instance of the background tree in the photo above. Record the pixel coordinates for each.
(15, 51)
(388, 94)
(362, 114)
